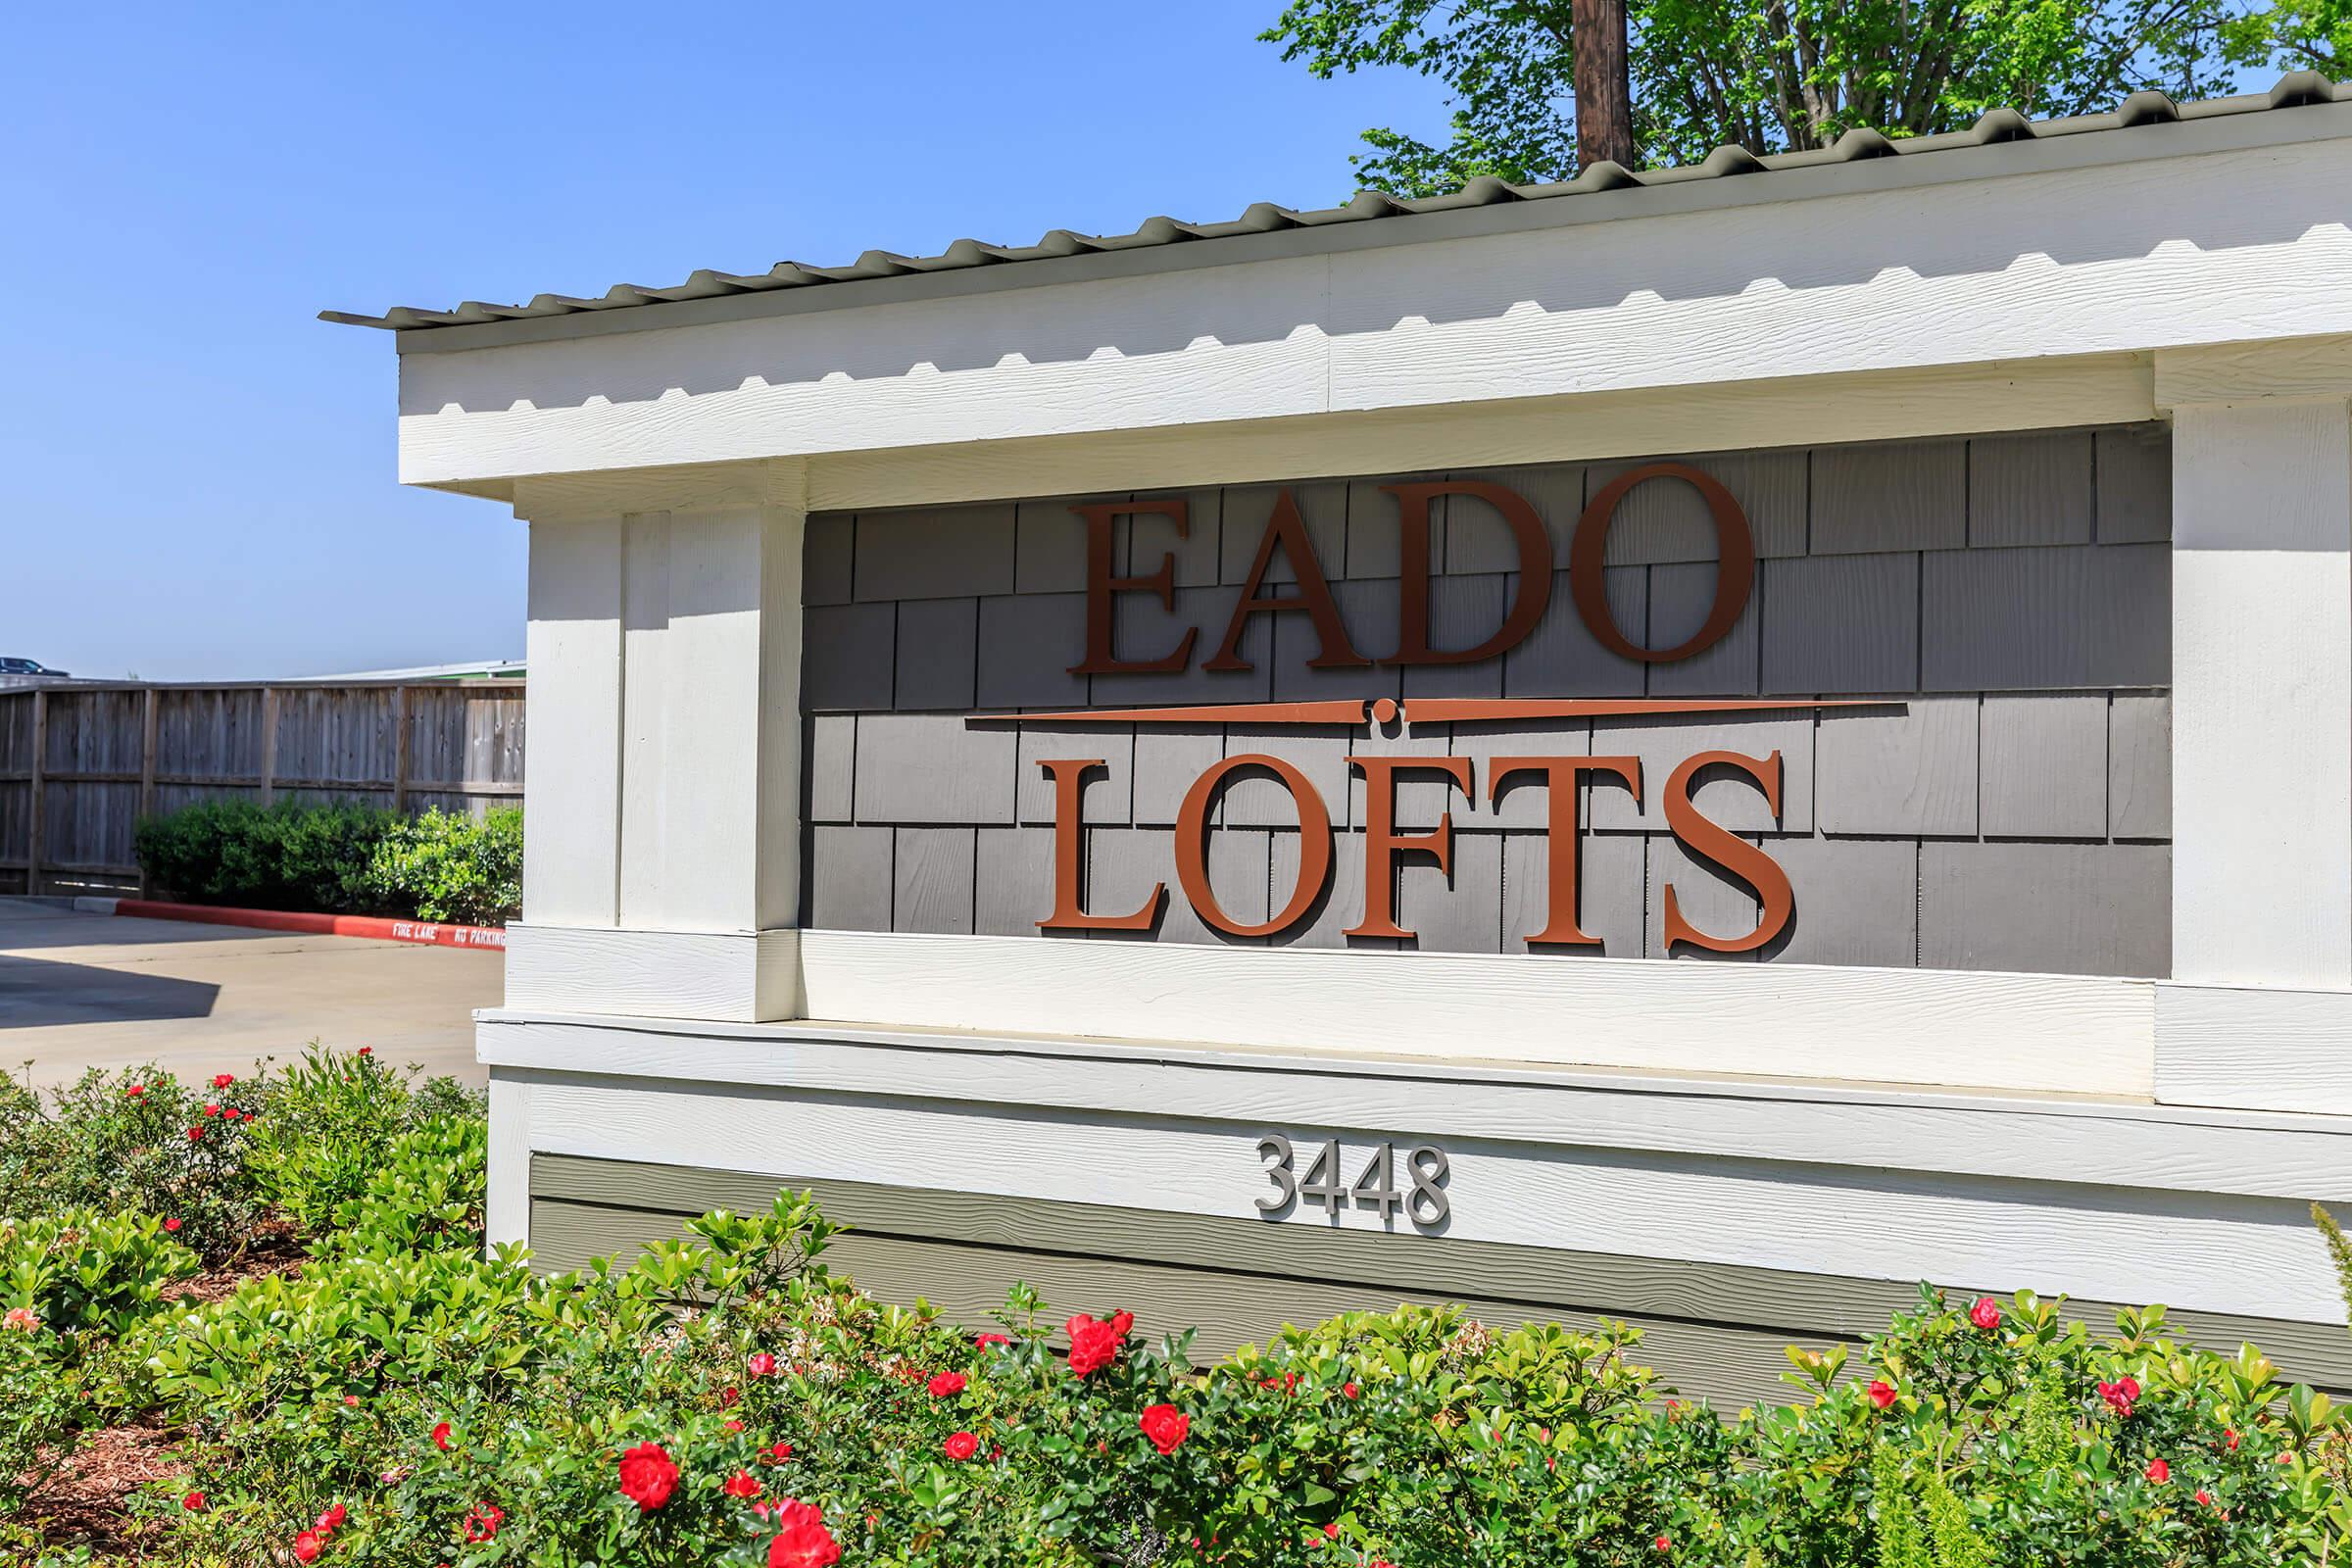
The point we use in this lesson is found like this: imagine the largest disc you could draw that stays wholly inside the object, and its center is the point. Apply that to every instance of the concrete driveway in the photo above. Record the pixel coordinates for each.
(84, 990)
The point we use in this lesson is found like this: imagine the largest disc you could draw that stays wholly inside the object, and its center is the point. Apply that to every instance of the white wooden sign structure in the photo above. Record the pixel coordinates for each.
(723, 483)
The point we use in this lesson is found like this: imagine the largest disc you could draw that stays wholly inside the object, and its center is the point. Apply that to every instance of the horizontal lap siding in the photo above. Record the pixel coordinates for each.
(2012, 592)
(1713, 1330)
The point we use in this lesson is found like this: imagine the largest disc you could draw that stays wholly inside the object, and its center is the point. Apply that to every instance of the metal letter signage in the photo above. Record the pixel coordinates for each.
(1564, 777)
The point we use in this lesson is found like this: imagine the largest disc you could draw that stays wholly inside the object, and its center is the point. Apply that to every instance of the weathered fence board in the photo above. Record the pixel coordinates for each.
(80, 765)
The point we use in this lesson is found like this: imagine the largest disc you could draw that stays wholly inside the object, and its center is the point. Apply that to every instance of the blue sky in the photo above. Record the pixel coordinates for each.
(199, 477)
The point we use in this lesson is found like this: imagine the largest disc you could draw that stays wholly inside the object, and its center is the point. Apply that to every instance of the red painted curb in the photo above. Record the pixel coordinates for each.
(323, 925)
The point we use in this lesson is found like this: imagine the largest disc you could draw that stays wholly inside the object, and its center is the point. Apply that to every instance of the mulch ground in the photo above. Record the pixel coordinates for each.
(86, 1501)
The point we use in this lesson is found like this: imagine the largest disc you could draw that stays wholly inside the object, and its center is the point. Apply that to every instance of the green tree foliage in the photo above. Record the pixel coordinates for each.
(1784, 74)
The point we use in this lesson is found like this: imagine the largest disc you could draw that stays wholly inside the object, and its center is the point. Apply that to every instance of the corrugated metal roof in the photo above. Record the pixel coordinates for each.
(2140, 109)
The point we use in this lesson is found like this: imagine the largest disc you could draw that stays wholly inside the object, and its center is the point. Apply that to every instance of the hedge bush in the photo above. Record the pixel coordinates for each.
(441, 865)
(726, 1400)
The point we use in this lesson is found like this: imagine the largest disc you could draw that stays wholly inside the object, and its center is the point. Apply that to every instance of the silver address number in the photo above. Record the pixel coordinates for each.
(1422, 1200)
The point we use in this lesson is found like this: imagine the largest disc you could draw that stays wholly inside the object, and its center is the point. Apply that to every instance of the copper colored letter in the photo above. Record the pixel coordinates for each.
(1101, 586)
(1712, 841)
(1561, 775)
(1192, 846)
(1070, 854)
(1382, 840)
(1286, 528)
(1413, 612)
(1734, 571)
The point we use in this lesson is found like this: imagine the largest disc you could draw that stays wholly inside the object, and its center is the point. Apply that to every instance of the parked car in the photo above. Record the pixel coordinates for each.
(27, 667)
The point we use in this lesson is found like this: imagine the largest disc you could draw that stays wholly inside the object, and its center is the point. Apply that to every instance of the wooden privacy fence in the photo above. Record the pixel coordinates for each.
(80, 765)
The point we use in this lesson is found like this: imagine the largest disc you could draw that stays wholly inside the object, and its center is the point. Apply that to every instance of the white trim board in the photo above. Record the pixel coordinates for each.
(2245, 1046)
(2212, 1252)
(2227, 246)
(740, 976)
(2068, 1034)
(2110, 1144)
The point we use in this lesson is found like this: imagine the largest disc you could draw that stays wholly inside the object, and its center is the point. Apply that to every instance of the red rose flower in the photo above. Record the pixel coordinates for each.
(2159, 1472)
(1985, 1313)
(332, 1520)
(647, 1475)
(2119, 1396)
(135, 1091)
(222, 1080)
(308, 1545)
(171, 1224)
(760, 1365)
(984, 1341)
(366, 1050)
(2204, 1496)
(734, 1426)
(441, 1436)
(741, 1485)
(193, 1503)
(802, 1540)
(2229, 1439)
(1664, 1542)
(482, 1522)
(352, 1399)
(729, 1396)
(194, 1133)
(212, 1111)
(1093, 1346)
(961, 1445)
(1166, 1426)
(1123, 1323)
(1351, 1391)
(947, 1385)
(1882, 1392)
(780, 1453)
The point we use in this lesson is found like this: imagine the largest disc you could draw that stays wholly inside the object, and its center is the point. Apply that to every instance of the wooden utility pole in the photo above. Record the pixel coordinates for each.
(1604, 95)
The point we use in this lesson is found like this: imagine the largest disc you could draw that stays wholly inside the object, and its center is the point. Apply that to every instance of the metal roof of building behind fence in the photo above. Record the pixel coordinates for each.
(2140, 110)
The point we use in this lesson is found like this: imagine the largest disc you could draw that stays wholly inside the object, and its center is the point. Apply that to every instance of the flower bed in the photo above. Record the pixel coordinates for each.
(403, 1400)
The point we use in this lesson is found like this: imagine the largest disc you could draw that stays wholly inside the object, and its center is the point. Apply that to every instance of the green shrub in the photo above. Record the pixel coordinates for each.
(282, 857)
(85, 1275)
(333, 1121)
(427, 1194)
(136, 1142)
(448, 867)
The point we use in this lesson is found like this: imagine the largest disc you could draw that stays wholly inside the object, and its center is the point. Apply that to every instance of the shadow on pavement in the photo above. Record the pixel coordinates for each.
(40, 992)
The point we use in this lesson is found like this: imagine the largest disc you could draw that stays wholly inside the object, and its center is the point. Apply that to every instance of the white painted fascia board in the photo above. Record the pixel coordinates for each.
(2009, 1136)
(740, 976)
(2227, 247)
(2252, 1045)
(2197, 1250)
(2036, 1033)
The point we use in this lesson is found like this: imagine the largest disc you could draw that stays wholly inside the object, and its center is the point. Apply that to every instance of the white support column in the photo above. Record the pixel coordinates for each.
(663, 812)
(2258, 1010)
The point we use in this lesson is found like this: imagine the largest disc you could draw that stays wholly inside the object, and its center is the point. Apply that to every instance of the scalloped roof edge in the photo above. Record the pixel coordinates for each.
(2298, 89)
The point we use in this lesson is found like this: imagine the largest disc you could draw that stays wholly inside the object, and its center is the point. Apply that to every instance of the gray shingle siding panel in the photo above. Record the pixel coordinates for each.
(2088, 909)
(2030, 489)
(2139, 767)
(826, 552)
(2043, 766)
(1905, 770)
(936, 642)
(1891, 495)
(1839, 624)
(932, 880)
(1028, 643)
(2022, 620)
(1857, 901)
(934, 553)
(2044, 715)
(848, 653)
(2135, 483)
(1666, 519)
(849, 878)
(1707, 898)
(933, 768)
